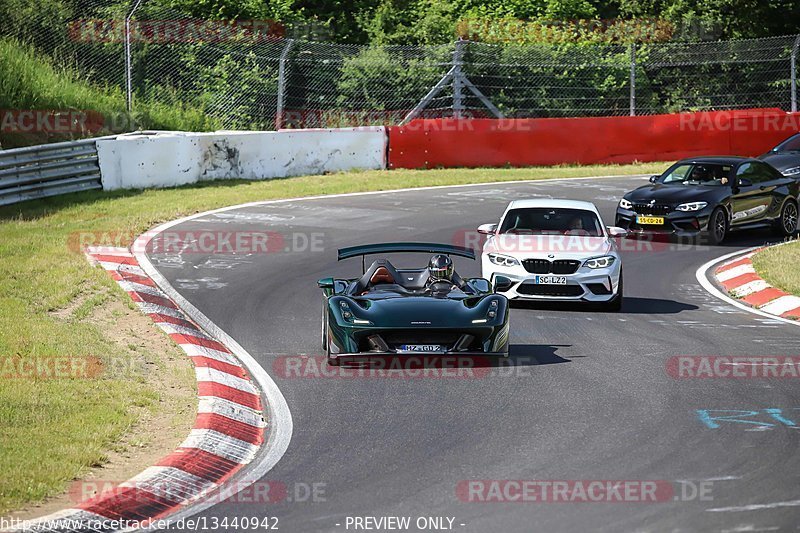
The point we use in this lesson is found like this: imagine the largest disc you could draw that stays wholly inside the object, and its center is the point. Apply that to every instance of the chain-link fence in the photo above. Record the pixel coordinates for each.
(181, 73)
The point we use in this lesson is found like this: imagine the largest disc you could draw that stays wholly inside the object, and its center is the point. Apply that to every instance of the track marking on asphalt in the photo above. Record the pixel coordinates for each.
(755, 507)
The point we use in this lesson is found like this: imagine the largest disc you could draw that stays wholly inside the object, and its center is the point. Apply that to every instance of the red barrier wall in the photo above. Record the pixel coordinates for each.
(433, 143)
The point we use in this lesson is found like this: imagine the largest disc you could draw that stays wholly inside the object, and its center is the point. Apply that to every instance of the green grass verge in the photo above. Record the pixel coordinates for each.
(778, 266)
(31, 81)
(52, 431)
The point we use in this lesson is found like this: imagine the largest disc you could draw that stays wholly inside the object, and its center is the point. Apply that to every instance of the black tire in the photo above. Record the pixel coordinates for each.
(786, 225)
(324, 336)
(326, 342)
(615, 304)
(717, 226)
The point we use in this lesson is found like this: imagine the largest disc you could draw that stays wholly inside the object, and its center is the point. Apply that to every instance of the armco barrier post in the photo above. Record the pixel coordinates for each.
(282, 83)
(458, 79)
(633, 80)
(128, 65)
(794, 74)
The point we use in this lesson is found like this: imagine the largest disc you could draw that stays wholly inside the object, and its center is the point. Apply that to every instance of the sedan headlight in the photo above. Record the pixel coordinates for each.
(794, 171)
(625, 204)
(604, 261)
(503, 260)
(692, 206)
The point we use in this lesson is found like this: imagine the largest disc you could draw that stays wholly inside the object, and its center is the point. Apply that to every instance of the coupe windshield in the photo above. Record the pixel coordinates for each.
(792, 144)
(697, 174)
(552, 221)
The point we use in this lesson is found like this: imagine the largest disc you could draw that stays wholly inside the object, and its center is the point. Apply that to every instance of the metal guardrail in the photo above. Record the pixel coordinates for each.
(49, 170)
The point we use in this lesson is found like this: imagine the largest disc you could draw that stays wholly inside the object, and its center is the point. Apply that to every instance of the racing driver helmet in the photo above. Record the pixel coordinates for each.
(441, 267)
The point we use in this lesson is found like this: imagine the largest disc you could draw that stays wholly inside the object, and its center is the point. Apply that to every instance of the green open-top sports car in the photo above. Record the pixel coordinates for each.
(426, 310)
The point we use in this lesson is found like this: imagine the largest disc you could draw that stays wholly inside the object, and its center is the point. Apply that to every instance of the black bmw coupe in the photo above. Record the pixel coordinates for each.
(712, 196)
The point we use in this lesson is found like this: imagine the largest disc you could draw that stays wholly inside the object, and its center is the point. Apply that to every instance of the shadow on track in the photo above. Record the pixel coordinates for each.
(630, 305)
(519, 355)
(535, 354)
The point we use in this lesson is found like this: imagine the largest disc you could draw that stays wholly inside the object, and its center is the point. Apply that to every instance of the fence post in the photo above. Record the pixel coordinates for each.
(458, 79)
(282, 83)
(633, 80)
(128, 64)
(794, 74)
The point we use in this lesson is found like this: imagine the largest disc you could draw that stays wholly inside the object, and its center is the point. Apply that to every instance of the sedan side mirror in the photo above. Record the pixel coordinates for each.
(487, 229)
(654, 178)
(743, 182)
(615, 231)
(502, 284)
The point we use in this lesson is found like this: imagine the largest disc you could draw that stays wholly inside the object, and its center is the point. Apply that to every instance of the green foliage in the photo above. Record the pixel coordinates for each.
(369, 76)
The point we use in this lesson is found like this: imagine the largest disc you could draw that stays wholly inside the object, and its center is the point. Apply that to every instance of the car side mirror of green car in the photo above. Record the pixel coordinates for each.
(326, 283)
(482, 285)
(502, 284)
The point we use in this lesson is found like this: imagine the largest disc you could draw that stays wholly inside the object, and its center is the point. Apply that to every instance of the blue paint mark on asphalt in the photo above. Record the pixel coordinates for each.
(711, 418)
(777, 415)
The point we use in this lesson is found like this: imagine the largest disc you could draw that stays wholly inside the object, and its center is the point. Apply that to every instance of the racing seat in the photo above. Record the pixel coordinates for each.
(381, 275)
(380, 272)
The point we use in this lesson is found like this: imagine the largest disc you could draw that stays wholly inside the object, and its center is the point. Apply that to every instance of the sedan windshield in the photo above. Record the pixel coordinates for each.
(552, 221)
(697, 174)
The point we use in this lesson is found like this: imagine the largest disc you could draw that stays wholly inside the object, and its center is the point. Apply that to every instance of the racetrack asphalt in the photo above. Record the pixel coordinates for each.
(588, 396)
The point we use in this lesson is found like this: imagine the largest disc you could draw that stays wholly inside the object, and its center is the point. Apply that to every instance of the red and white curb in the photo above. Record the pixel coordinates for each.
(740, 279)
(228, 432)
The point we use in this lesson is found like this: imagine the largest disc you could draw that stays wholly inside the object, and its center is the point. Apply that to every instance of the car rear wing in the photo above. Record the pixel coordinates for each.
(404, 247)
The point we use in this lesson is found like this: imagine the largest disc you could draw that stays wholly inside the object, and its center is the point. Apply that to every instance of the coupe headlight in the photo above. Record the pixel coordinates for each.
(625, 204)
(794, 171)
(503, 260)
(600, 262)
(692, 206)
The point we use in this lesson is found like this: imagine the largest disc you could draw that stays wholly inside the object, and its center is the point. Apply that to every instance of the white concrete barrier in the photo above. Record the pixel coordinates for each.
(167, 159)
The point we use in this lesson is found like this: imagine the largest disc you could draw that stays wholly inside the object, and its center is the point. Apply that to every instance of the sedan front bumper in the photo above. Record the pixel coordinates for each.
(679, 223)
(589, 285)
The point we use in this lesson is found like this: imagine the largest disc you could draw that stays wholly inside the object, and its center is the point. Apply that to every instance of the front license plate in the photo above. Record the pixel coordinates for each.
(650, 221)
(427, 348)
(550, 280)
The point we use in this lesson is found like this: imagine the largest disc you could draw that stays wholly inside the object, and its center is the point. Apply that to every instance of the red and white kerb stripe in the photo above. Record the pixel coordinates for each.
(228, 431)
(740, 279)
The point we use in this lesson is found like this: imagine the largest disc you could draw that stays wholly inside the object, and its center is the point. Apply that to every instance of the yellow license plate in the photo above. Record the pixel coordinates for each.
(653, 221)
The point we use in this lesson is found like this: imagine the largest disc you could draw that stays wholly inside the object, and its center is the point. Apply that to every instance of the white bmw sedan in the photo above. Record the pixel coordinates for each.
(554, 250)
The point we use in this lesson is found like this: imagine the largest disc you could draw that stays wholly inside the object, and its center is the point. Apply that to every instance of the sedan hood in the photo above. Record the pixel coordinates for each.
(674, 194)
(542, 246)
